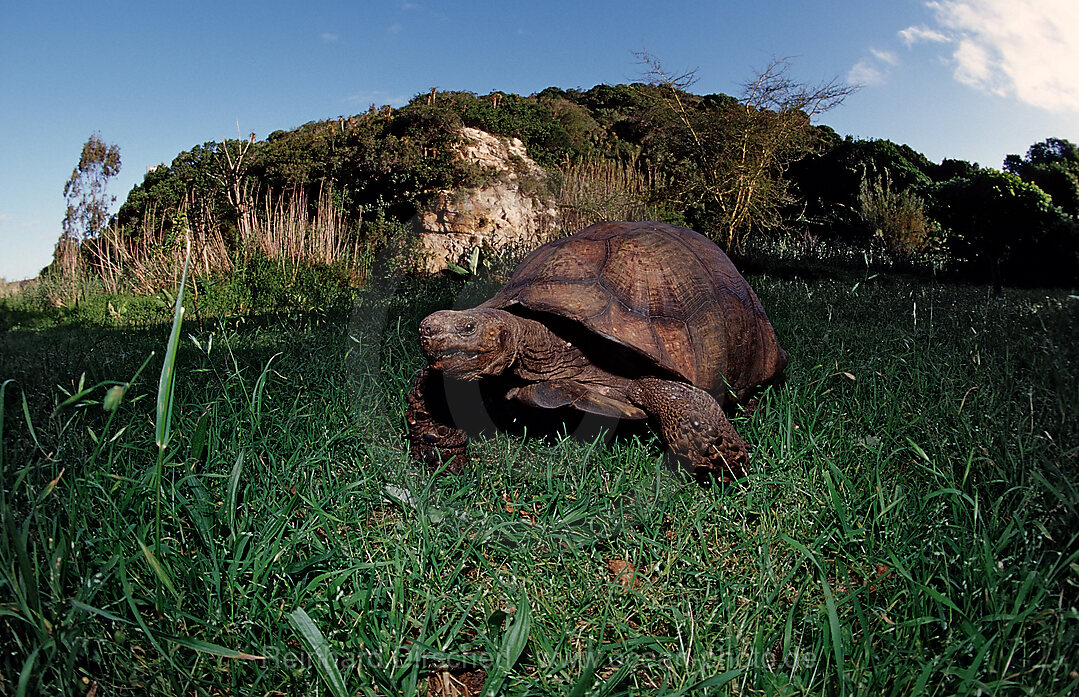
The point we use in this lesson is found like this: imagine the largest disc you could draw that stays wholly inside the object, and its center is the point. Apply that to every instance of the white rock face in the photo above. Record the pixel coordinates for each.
(494, 218)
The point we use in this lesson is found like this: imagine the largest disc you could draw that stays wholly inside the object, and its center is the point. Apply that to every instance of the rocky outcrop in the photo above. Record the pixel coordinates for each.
(506, 215)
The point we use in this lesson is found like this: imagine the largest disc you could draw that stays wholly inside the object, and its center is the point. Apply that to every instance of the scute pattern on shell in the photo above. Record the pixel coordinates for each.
(664, 291)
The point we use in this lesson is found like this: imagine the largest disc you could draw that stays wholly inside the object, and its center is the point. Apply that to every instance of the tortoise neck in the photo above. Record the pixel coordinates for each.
(542, 354)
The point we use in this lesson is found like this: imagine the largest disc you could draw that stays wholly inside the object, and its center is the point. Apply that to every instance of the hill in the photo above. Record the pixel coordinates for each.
(756, 175)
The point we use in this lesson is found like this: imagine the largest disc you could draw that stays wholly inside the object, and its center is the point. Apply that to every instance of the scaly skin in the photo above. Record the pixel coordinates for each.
(433, 438)
(694, 426)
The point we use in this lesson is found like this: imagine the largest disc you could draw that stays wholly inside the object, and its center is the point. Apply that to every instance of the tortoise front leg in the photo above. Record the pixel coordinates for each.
(433, 438)
(694, 427)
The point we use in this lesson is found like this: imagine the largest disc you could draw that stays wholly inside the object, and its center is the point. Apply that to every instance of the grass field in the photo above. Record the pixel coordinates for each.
(910, 526)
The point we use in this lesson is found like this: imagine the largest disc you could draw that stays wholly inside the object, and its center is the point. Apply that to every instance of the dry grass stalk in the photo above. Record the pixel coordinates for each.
(151, 256)
(286, 231)
(598, 189)
(897, 216)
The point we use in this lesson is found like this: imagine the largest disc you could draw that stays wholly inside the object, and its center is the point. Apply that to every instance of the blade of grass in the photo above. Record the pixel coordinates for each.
(167, 381)
(513, 644)
(213, 649)
(710, 684)
(833, 617)
(616, 678)
(196, 644)
(26, 674)
(29, 599)
(165, 385)
(836, 635)
(313, 640)
(79, 605)
(29, 422)
(588, 675)
(3, 389)
(159, 570)
(129, 596)
(233, 491)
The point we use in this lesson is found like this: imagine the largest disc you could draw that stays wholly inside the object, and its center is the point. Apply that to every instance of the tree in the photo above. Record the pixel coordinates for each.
(1005, 230)
(231, 177)
(852, 181)
(88, 202)
(1053, 165)
(737, 152)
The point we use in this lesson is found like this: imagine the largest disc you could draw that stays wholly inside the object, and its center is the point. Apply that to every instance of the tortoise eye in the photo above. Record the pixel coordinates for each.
(466, 327)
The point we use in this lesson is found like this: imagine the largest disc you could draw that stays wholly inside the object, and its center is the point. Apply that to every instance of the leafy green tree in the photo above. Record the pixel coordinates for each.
(1053, 165)
(191, 179)
(88, 202)
(531, 119)
(955, 169)
(835, 185)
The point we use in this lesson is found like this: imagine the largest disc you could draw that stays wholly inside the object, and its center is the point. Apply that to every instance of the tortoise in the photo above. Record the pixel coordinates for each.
(640, 320)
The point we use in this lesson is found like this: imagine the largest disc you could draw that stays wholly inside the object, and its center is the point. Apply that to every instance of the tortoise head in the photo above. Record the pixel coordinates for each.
(468, 344)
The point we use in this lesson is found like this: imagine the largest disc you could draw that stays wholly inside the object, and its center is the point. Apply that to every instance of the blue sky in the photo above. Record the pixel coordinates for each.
(970, 79)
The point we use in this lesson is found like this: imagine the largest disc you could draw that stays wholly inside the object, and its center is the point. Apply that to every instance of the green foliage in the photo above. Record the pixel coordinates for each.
(530, 119)
(1053, 165)
(733, 154)
(682, 160)
(830, 183)
(910, 526)
(35, 306)
(1005, 230)
(193, 176)
(87, 202)
(898, 217)
(261, 285)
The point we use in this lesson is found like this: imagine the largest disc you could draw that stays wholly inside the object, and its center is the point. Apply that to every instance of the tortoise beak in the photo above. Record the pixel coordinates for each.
(434, 333)
(427, 338)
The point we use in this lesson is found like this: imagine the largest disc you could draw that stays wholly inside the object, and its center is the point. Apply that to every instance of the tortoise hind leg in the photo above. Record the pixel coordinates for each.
(694, 427)
(433, 438)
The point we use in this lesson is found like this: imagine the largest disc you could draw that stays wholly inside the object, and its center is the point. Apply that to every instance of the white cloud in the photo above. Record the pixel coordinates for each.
(873, 69)
(912, 35)
(975, 66)
(329, 37)
(1026, 49)
(866, 73)
(885, 56)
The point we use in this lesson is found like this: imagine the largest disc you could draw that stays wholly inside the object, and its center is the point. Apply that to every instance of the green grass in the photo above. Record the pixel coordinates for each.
(910, 526)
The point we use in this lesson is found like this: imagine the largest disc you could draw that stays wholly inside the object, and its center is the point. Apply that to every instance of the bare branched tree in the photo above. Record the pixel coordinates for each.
(231, 176)
(736, 153)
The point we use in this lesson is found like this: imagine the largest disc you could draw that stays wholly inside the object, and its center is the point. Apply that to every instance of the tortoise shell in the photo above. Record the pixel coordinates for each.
(665, 292)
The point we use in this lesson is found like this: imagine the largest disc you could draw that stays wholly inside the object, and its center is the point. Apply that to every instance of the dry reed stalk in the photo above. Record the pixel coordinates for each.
(598, 189)
(149, 258)
(285, 231)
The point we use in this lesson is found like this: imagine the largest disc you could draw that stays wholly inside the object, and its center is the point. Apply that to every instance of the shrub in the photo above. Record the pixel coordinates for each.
(897, 217)
(1005, 230)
